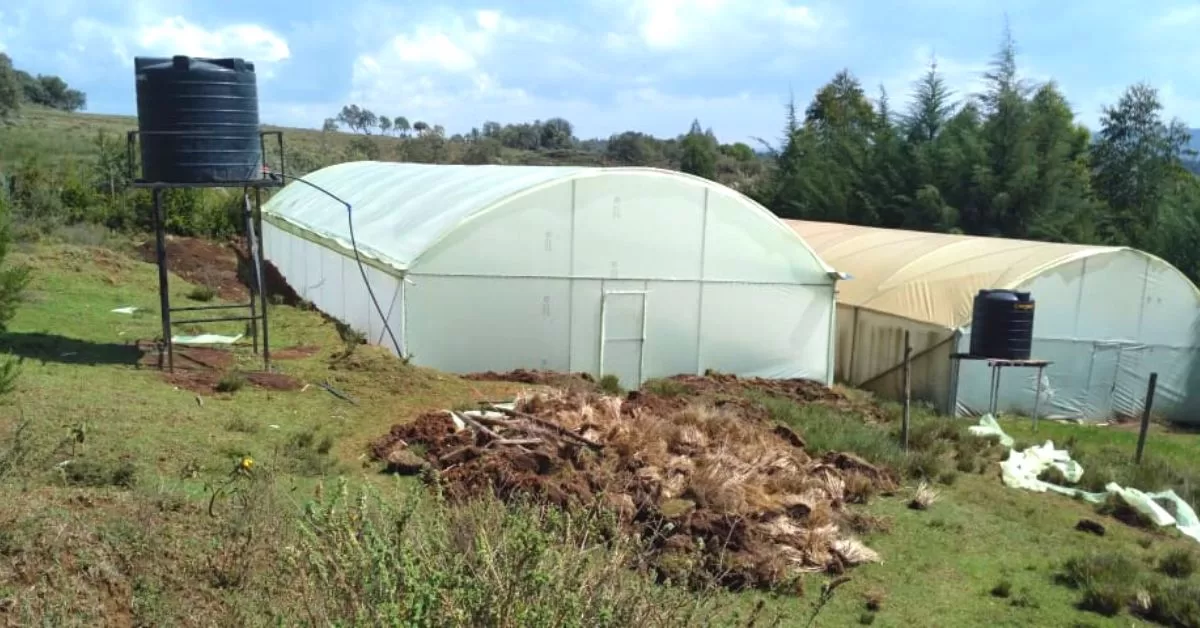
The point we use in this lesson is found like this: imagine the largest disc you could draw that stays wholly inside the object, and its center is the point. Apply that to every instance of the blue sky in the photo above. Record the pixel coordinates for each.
(608, 65)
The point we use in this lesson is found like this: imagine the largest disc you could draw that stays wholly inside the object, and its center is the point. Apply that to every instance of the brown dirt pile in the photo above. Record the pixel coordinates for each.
(534, 377)
(803, 391)
(714, 491)
(204, 263)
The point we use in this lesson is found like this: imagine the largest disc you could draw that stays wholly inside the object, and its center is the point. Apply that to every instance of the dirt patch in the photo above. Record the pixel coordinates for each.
(746, 505)
(533, 377)
(188, 358)
(207, 382)
(295, 353)
(204, 263)
(802, 391)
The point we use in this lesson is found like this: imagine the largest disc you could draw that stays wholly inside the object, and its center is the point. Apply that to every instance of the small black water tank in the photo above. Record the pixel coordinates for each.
(1002, 325)
(198, 120)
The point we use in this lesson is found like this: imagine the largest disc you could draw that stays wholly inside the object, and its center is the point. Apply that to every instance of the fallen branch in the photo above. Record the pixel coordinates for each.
(477, 425)
(516, 441)
(550, 425)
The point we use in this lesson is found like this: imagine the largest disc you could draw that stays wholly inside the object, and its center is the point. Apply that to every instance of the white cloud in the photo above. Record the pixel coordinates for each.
(176, 35)
(488, 20)
(675, 25)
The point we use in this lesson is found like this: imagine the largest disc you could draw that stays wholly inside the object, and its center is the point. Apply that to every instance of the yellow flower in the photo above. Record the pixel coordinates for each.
(247, 464)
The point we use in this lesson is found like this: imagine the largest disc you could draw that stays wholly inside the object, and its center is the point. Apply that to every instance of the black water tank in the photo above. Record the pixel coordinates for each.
(1002, 325)
(198, 120)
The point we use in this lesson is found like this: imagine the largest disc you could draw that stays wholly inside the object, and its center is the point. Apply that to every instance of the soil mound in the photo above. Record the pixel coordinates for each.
(204, 263)
(803, 391)
(712, 489)
(535, 377)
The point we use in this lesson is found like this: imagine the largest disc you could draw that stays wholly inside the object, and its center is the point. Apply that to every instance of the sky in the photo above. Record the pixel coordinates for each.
(609, 65)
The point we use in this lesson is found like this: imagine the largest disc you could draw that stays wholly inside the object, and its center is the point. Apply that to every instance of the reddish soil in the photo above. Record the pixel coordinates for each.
(188, 358)
(536, 378)
(204, 263)
(206, 382)
(743, 498)
(802, 391)
(294, 353)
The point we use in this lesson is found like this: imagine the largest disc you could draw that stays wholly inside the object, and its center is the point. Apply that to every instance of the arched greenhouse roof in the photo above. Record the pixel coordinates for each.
(934, 277)
(401, 210)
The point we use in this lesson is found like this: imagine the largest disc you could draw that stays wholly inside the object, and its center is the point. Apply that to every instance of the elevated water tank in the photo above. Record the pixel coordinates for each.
(198, 120)
(1002, 325)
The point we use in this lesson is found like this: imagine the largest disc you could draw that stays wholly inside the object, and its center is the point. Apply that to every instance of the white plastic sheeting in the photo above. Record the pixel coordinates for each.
(634, 272)
(1022, 468)
(1106, 316)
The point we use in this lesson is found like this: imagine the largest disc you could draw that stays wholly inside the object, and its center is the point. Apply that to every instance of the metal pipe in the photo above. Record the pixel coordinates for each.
(1037, 397)
(222, 319)
(248, 224)
(1145, 428)
(642, 347)
(197, 308)
(256, 254)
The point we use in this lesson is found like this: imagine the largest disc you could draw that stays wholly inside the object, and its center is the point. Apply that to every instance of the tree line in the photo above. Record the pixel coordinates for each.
(18, 87)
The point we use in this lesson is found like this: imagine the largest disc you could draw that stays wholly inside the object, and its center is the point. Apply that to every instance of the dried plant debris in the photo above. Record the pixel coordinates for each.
(707, 485)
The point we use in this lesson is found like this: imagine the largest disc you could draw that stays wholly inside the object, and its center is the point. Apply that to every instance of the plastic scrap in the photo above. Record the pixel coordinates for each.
(129, 309)
(1021, 470)
(206, 339)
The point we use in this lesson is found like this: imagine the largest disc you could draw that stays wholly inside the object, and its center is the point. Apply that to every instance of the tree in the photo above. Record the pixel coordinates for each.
(330, 126)
(1135, 161)
(401, 125)
(420, 127)
(10, 89)
(385, 124)
(700, 153)
(13, 280)
(557, 133)
(931, 106)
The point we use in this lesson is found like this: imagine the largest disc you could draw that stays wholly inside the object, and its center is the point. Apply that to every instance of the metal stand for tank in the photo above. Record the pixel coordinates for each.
(996, 365)
(252, 225)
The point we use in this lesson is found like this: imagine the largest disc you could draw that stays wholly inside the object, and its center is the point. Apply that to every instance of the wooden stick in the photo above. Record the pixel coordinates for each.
(516, 441)
(1145, 426)
(550, 426)
(478, 426)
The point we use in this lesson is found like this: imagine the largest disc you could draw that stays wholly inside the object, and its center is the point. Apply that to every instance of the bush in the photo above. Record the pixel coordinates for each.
(824, 430)
(666, 388)
(1178, 563)
(363, 561)
(95, 474)
(610, 384)
(1174, 604)
(307, 454)
(1107, 581)
(230, 382)
(202, 293)
(1003, 589)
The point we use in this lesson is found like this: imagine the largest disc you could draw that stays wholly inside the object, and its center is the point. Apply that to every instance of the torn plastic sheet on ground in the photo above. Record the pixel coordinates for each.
(1021, 470)
(206, 339)
(129, 309)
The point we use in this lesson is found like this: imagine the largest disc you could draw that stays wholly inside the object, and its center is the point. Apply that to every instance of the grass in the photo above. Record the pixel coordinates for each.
(129, 540)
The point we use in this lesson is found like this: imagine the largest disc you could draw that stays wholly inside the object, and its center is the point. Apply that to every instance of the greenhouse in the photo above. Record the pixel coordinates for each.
(632, 272)
(1107, 317)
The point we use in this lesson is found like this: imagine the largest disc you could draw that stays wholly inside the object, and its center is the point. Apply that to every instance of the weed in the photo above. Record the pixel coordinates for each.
(1054, 475)
(825, 430)
(230, 382)
(863, 523)
(363, 560)
(874, 600)
(1178, 563)
(98, 474)
(867, 618)
(923, 497)
(202, 293)
(1173, 603)
(1145, 542)
(948, 477)
(1024, 599)
(1115, 506)
(611, 384)
(925, 465)
(16, 447)
(1107, 581)
(666, 388)
(1003, 589)
(307, 455)
(242, 424)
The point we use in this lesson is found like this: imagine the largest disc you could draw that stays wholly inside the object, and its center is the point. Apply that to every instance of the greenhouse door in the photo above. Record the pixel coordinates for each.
(1102, 380)
(623, 335)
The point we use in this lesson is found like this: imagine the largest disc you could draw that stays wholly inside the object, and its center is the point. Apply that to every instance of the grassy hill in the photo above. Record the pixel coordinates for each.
(110, 473)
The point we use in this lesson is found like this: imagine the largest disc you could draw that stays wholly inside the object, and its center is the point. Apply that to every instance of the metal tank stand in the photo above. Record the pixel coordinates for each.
(252, 227)
(997, 365)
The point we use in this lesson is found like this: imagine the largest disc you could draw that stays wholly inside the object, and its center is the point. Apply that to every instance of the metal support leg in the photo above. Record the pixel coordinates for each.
(1037, 397)
(164, 297)
(995, 390)
(256, 255)
(248, 225)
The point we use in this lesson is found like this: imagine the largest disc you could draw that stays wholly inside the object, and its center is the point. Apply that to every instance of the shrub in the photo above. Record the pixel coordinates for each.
(1174, 603)
(307, 455)
(1107, 581)
(230, 382)
(202, 293)
(1178, 563)
(667, 388)
(1003, 589)
(96, 474)
(825, 430)
(611, 384)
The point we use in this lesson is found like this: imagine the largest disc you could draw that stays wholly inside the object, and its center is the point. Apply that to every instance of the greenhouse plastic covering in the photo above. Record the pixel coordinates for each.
(929, 277)
(1022, 468)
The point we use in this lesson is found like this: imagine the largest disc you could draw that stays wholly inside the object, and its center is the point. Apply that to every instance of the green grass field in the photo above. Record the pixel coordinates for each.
(121, 535)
